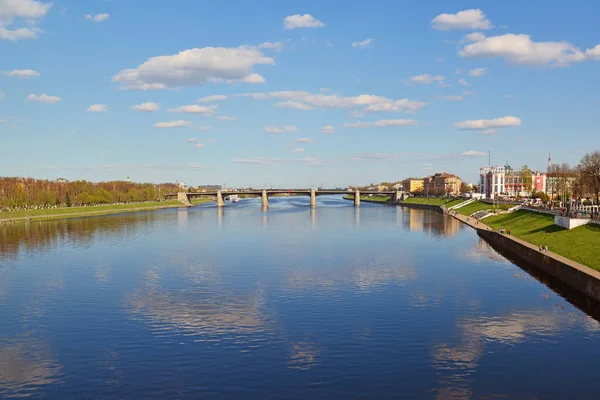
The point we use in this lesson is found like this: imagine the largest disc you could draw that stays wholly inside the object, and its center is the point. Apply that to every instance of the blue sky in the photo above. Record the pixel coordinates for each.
(307, 93)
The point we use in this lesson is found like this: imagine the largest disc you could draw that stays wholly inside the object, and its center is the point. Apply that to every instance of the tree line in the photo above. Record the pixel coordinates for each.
(23, 193)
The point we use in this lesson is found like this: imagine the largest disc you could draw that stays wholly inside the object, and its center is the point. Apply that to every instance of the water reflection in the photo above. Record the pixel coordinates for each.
(42, 236)
(25, 365)
(417, 220)
(205, 308)
(303, 355)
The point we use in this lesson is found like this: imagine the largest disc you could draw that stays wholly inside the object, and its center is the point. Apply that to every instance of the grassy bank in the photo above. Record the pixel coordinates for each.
(201, 200)
(73, 212)
(434, 201)
(480, 205)
(372, 199)
(579, 244)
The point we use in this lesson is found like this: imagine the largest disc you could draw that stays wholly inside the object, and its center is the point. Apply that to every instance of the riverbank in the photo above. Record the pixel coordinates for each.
(578, 244)
(76, 212)
(370, 199)
(583, 278)
(433, 201)
(476, 206)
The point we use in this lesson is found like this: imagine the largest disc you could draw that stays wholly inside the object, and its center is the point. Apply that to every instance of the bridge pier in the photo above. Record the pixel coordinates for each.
(313, 198)
(220, 202)
(265, 199)
(356, 198)
(183, 197)
(396, 197)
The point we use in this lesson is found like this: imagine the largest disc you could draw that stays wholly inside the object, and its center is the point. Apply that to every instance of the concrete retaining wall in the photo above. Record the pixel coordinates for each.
(570, 223)
(577, 276)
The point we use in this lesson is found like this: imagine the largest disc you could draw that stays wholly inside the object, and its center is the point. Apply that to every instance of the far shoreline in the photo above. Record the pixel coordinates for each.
(83, 212)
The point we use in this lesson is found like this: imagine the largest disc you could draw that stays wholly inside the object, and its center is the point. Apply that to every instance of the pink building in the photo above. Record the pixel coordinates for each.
(495, 181)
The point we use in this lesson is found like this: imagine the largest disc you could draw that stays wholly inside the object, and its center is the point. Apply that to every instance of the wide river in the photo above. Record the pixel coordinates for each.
(335, 302)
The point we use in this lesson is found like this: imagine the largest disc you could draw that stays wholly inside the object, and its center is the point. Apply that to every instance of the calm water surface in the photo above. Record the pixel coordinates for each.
(293, 303)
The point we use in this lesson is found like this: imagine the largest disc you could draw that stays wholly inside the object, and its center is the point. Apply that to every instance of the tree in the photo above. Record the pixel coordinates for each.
(589, 168)
(464, 188)
(68, 199)
(526, 178)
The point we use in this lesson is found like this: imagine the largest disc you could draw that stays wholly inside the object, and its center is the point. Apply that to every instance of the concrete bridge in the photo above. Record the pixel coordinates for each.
(264, 194)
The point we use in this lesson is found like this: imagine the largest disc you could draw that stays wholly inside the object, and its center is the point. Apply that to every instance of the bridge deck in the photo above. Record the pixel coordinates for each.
(283, 191)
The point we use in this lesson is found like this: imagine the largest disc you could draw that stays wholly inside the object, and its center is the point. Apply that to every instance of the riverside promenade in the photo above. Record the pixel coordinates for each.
(574, 274)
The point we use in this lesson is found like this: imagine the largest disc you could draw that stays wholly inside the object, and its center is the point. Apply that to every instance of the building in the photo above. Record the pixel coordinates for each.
(412, 185)
(442, 184)
(497, 181)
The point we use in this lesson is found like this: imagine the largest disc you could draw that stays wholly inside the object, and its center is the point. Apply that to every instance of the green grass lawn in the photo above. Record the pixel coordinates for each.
(374, 198)
(196, 200)
(86, 210)
(579, 244)
(435, 201)
(479, 205)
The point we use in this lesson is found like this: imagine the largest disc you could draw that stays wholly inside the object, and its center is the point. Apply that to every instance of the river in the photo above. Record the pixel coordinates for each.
(335, 302)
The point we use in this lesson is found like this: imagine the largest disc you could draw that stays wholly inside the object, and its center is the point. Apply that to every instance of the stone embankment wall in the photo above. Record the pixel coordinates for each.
(573, 274)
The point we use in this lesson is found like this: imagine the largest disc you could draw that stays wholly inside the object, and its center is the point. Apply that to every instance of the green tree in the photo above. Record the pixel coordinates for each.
(68, 200)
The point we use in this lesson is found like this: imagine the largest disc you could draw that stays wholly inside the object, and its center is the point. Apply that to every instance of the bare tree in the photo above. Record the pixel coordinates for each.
(526, 178)
(589, 168)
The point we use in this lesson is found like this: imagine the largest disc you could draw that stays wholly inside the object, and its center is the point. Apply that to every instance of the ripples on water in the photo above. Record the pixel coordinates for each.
(333, 302)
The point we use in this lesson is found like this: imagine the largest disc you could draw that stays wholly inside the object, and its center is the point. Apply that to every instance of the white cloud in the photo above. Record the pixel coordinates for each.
(22, 73)
(277, 129)
(439, 60)
(149, 106)
(381, 123)
(28, 10)
(463, 81)
(473, 153)
(365, 43)
(367, 103)
(256, 160)
(192, 140)
(199, 145)
(277, 46)
(510, 96)
(310, 161)
(301, 21)
(226, 118)
(297, 150)
(594, 53)
(195, 67)
(172, 124)
(521, 50)
(2, 121)
(477, 72)
(195, 109)
(204, 128)
(1, 94)
(328, 129)
(210, 99)
(427, 79)
(97, 17)
(97, 108)
(489, 123)
(294, 105)
(452, 98)
(466, 19)
(468, 93)
(305, 140)
(43, 98)
(374, 157)
(211, 140)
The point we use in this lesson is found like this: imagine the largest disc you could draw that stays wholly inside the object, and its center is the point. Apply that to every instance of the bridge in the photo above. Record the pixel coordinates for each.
(264, 194)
